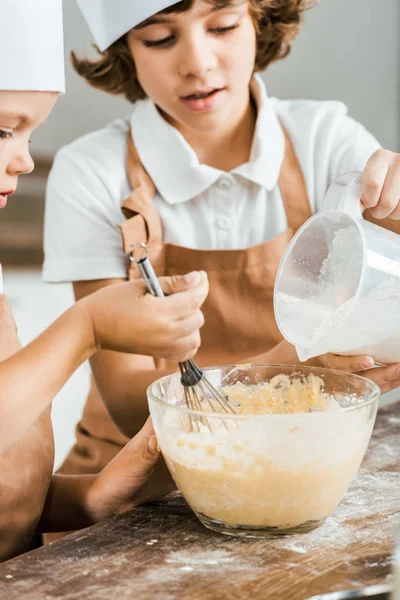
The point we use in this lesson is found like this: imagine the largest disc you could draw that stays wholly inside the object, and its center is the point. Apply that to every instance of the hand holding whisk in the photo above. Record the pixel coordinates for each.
(200, 394)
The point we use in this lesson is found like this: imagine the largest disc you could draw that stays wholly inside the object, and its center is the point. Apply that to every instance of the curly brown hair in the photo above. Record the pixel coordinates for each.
(276, 21)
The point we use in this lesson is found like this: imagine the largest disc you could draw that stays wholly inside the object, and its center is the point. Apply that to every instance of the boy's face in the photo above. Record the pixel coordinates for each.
(196, 66)
(20, 114)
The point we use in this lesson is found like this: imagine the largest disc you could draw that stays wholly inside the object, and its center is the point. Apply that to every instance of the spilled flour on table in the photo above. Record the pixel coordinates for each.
(202, 559)
(348, 523)
(182, 563)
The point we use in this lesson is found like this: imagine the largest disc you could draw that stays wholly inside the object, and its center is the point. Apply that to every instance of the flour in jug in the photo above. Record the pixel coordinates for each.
(367, 322)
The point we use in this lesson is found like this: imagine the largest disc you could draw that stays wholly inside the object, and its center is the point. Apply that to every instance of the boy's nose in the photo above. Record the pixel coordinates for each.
(197, 59)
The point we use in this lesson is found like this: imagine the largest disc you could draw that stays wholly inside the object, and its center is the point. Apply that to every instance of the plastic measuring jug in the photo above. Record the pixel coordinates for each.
(338, 285)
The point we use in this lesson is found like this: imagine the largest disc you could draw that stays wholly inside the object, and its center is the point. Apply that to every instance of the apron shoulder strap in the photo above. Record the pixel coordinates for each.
(143, 222)
(293, 187)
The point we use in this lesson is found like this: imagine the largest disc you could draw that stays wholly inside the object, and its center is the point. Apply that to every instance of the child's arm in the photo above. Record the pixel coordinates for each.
(76, 501)
(123, 317)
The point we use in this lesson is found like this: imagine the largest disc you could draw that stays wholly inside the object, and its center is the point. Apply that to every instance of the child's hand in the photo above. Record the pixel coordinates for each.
(126, 318)
(381, 185)
(388, 378)
(118, 487)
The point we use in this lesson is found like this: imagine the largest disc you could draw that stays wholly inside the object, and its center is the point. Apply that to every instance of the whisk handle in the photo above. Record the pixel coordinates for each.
(191, 373)
(150, 278)
(138, 254)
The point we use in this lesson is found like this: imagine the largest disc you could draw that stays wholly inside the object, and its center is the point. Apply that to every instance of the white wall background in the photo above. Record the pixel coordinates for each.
(347, 50)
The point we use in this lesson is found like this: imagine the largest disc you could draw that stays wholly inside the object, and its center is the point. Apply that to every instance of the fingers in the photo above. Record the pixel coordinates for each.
(185, 338)
(350, 364)
(180, 283)
(389, 386)
(145, 432)
(186, 327)
(390, 195)
(174, 285)
(115, 489)
(388, 378)
(184, 348)
(381, 185)
(140, 454)
(182, 304)
(374, 176)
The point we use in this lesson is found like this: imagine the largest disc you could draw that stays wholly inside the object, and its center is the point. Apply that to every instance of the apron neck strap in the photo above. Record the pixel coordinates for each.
(293, 187)
(143, 221)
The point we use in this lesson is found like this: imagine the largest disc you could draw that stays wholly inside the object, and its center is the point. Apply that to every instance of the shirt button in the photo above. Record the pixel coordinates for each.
(223, 223)
(224, 184)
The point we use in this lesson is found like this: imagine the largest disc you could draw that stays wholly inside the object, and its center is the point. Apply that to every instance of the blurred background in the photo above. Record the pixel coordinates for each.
(347, 50)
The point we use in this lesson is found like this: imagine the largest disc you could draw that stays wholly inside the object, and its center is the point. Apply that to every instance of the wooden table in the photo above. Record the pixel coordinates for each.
(161, 551)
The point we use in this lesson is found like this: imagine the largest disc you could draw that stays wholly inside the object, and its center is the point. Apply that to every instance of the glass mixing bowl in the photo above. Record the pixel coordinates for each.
(270, 474)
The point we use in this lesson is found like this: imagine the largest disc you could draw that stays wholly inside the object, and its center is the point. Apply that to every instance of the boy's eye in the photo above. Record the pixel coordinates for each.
(224, 29)
(6, 135)
(158, 43)
(167, 41)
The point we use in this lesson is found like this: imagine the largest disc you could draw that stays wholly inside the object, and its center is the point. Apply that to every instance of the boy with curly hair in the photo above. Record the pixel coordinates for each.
(208, 170)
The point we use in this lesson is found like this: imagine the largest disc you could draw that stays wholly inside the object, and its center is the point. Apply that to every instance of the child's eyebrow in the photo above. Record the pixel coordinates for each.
(152, 21)
(16, 116)
(23, 118)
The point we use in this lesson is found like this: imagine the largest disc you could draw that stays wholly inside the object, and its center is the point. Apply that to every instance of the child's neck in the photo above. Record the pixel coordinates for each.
(226, 149)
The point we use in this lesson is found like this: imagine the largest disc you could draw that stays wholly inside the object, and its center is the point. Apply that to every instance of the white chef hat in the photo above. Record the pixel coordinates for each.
(108, 20)
(31, 45)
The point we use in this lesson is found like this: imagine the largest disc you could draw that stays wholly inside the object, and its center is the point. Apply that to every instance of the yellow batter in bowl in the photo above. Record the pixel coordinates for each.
(280, 465)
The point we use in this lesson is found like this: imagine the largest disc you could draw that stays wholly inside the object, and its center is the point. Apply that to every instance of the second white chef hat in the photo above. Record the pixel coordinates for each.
(108, 20)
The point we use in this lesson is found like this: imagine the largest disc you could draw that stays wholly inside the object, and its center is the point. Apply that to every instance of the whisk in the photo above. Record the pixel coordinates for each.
(199, 392)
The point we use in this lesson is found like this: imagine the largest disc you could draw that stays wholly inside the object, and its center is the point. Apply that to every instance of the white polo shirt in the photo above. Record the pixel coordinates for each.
(200, 207)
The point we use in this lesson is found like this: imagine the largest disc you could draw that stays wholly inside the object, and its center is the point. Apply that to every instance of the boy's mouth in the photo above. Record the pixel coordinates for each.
(201, 95)
(202, 100)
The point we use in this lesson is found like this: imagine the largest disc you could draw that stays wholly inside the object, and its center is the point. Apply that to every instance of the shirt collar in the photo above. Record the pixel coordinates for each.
(268, 148)
(173, 164)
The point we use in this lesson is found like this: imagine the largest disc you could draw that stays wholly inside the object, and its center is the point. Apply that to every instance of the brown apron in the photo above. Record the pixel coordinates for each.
(239, 315)
(26, 466)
